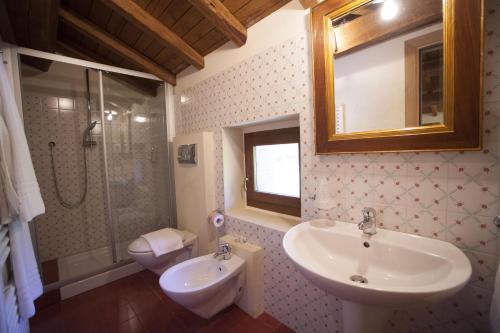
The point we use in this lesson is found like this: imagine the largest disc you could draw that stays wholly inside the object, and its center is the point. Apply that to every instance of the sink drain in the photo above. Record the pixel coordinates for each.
(359, 279)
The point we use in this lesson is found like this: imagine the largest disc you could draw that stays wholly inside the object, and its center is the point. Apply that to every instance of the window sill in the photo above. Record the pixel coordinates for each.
(265, 218)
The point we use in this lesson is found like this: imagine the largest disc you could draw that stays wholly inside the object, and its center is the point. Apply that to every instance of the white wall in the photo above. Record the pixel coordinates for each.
(288, 21)
(194, 190)
(371, 84)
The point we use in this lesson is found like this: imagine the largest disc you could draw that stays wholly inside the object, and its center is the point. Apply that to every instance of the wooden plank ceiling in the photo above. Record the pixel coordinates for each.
(162, 37)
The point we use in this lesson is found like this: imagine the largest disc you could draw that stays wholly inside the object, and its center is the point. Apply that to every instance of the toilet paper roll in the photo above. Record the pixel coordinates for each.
(216, 218)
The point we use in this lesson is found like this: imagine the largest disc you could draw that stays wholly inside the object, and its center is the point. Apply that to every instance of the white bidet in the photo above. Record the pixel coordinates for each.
(205, 285)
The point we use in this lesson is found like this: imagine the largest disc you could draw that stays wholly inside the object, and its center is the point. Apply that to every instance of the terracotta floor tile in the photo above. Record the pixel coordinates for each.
(137, 304)
(214, 327)
(118, 312)
(252, 326)
(233, 316)
(149, 278)
(48, 320)
(191, 322)
(155, 317)
(269, 320)
(283, 329)
(48, 299)
(145, 301)
(131, 326)
(174, 325)
(50, 271)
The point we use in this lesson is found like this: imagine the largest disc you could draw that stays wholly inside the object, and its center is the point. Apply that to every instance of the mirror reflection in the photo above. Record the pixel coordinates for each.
(388, 65)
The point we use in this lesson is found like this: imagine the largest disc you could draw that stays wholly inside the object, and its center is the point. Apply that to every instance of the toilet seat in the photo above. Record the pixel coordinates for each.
(140, 245)
(141, 252)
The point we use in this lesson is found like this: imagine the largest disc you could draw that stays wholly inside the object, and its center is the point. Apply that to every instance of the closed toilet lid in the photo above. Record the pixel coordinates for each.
(140, 245)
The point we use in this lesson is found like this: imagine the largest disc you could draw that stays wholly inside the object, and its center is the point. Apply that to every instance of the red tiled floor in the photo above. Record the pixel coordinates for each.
(136, 304)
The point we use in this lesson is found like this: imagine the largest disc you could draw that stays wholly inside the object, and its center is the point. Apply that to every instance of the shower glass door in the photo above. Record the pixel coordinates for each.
(73, 236)
(103, 186)
(137, 157)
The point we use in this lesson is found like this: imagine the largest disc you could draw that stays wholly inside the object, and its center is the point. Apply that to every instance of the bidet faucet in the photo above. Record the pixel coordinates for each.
(224, 251)
(368, 225)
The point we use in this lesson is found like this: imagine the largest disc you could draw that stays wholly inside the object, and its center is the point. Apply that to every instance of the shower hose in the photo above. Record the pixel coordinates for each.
(63, 202)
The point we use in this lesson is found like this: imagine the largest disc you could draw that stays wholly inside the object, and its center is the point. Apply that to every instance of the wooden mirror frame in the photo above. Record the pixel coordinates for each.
(462, 98)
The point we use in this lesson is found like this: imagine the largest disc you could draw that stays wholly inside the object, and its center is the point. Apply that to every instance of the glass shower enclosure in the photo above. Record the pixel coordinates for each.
(98, 141)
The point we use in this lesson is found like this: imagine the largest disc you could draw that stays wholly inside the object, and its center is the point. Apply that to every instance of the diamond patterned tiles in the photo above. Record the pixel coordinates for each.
(137, 161)
(450, 196)
(60, 231)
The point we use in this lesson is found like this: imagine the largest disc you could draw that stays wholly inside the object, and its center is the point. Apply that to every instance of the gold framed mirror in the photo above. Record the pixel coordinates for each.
(397, 75)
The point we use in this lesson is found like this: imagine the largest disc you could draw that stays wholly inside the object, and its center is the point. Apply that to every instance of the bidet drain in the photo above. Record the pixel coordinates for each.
(359, 278)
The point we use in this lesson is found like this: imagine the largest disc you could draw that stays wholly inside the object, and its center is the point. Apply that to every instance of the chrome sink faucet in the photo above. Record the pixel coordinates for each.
(368, 225)
(223, 252)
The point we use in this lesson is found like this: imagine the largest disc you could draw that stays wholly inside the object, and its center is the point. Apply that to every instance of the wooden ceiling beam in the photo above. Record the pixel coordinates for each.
(6, 31)
(367, 30)
(215, 12)
(30, 24)
(116, 45)
(152, 26)
(43, 21)
(306, 4)
(68, 48)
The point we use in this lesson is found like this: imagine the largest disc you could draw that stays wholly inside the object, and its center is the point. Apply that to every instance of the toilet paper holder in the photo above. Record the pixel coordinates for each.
(496, 220)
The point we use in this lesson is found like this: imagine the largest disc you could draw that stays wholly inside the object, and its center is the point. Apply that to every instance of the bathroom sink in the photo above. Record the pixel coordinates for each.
(389, 268)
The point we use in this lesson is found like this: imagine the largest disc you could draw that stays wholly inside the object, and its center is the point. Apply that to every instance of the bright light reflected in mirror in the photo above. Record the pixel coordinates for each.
(389, 10)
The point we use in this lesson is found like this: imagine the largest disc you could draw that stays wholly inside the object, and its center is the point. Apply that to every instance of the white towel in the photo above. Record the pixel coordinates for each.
(9, 202)
(495, 305)
(163, 241)
(23, 174)
(26, 276)
(24, 204)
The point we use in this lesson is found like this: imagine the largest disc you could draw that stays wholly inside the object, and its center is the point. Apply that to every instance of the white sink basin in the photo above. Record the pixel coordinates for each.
(400, 269)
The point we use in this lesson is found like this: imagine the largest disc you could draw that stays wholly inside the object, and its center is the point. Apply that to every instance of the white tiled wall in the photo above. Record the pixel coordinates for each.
(451, 196)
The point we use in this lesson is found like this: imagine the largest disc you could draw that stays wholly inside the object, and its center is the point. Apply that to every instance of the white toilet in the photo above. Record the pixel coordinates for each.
(205, 285)
(140, 251)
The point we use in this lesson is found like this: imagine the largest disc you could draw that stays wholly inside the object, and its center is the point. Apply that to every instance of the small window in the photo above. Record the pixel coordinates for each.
(272, 163)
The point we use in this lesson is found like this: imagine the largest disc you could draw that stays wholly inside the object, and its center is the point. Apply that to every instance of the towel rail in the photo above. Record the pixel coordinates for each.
(9, 316)
(4, 247)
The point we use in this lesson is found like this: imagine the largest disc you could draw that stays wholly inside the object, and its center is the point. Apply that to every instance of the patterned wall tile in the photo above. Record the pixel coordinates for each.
(451, 196)
(137, 162)
(62, 232)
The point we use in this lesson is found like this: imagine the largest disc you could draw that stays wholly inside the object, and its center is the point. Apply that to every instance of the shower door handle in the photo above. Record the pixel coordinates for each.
(153, 155)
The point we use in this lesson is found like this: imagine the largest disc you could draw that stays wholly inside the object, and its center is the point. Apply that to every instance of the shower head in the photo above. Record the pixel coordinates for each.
(87, 136)
(91, 126)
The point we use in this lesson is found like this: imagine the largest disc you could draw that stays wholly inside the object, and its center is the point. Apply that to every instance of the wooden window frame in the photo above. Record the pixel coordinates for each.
(412, 74)
(273, 202)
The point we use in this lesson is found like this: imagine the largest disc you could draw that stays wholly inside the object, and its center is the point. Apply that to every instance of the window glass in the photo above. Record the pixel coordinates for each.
(276, 169)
